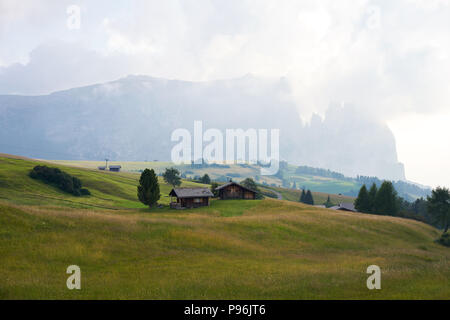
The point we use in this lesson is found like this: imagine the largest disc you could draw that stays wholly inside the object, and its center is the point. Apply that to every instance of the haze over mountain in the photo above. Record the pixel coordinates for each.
(133, 118)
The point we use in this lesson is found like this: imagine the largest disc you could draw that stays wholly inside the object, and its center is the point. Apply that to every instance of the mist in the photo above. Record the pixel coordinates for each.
(387, 60)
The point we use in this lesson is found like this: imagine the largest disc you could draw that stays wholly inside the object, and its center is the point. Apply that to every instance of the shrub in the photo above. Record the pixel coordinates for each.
(85, 192)
(60, 179)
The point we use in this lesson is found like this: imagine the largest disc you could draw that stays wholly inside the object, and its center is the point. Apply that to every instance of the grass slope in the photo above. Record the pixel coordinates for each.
(109, 190)
(265, 249)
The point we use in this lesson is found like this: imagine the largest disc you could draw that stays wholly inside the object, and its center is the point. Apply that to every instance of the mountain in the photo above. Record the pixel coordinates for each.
(133, 118)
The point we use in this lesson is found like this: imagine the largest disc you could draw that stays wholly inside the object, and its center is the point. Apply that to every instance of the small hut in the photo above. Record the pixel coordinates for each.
(190, 197)
(115, 168)
(233, 190)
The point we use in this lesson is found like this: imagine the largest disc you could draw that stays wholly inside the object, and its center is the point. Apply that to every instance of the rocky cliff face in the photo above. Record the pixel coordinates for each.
(133, 118)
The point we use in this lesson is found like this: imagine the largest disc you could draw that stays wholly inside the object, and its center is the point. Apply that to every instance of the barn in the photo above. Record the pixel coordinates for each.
(233, 190)
(190, 197)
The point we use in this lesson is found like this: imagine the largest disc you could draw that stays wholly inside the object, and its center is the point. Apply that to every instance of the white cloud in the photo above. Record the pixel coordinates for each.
(422, 145)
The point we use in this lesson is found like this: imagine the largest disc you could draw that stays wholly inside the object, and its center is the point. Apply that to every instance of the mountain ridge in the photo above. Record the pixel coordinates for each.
(117, 119)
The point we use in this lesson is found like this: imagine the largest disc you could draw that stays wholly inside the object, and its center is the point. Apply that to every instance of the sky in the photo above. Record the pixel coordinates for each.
(390, 59)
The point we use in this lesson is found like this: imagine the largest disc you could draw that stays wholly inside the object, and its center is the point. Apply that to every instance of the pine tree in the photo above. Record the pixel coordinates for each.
(386, 200)
(328, 203)
(303, 195)
(309, 198)
(362, 202)
(372, 194)
(206, 179)
(439, 207)
(148, 189)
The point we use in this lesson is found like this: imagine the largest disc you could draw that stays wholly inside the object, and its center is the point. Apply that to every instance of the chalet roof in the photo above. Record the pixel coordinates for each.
(348, 206)
(191, 192)
(231, 183)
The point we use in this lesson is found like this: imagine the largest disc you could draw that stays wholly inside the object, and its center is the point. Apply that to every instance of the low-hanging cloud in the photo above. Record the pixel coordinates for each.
(384, 57)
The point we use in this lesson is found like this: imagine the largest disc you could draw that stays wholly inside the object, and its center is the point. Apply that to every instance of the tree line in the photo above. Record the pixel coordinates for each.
(384, 200)
(402, 187)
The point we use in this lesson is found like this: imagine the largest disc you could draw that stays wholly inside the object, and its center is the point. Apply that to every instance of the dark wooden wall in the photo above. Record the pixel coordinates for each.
(235, 192)
(190, 203)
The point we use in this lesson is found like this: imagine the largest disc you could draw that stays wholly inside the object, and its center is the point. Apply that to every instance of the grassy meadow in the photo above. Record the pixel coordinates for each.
(237, 172)
(319, 197)
(240, 249)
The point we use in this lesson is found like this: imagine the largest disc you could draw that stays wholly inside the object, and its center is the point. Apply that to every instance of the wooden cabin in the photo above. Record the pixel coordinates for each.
(233, 190)
(190, 197)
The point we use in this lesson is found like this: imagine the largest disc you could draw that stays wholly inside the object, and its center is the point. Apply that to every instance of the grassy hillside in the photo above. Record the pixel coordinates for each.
(109, 190)
(266, 249)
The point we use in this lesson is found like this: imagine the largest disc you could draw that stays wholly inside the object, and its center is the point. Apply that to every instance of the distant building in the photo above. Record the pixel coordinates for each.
(115, 168)
(345, 206)
(190, 197)
(102, 168)
(233, 190)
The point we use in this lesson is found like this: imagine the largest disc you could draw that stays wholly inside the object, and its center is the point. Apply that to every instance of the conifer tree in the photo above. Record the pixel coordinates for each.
(205, 179)
(362, 202)
(148, 189)
(303, 195)
(386, 200)
(372, 194)
(439, 207)
(328, 203)
(309, 198)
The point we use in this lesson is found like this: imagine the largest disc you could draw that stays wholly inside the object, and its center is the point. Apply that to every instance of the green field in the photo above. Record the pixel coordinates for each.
(319, 197)
(321, 187)
(260, 249)
(237, 172)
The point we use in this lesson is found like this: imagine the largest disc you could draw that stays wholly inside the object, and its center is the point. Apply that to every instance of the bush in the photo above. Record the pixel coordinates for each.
(444, 239)
(60, 179)
(85, 192)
